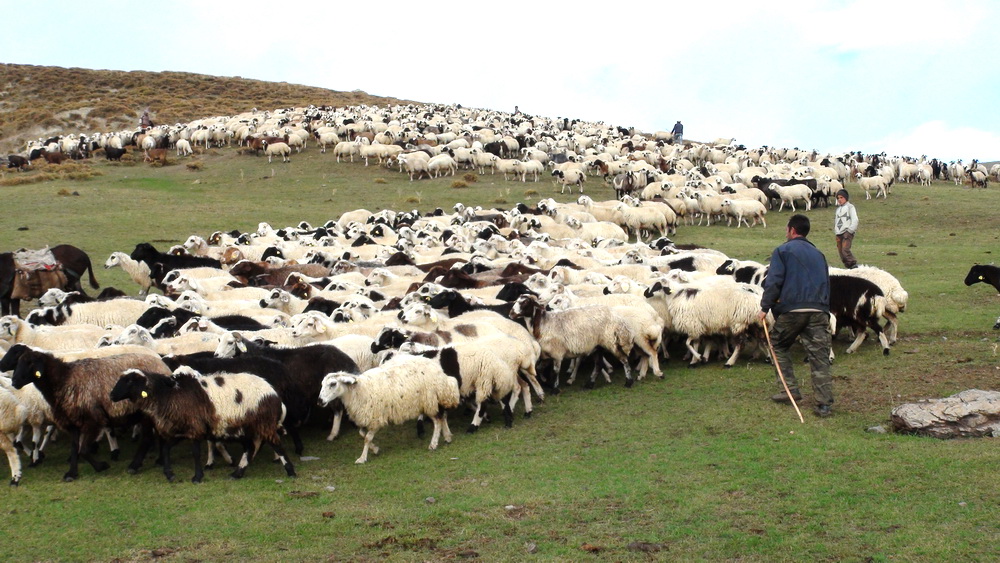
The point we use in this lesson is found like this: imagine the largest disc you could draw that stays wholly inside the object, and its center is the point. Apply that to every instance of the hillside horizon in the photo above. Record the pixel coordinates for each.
(38, 101)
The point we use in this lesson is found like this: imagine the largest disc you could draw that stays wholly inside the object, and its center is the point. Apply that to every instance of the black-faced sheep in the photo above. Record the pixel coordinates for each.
(230, 406)
(307, 365)
(402, 389)
(858, 304)
(79, 394)
(986, 273)
(297, 404)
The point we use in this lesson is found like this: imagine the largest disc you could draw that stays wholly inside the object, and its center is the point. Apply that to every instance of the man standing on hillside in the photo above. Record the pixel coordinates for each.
(845, 224)
(146, 122)
(797, 292)
(678, 132)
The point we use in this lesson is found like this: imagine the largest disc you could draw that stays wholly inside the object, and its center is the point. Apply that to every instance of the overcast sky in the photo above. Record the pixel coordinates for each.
(905, 77)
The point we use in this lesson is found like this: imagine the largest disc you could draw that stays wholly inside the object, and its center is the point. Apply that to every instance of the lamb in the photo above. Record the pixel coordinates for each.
(186, 405)
(986, 273)
(138, 271)
(792, 192)
(401, 389)
(741, 208)
(184, 147)
(277, 149)
(78, 393)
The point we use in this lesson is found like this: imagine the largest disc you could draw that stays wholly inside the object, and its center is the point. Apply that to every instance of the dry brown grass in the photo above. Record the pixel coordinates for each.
(39, 101)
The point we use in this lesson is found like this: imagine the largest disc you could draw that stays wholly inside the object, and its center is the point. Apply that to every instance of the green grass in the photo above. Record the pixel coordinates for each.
(699, 466)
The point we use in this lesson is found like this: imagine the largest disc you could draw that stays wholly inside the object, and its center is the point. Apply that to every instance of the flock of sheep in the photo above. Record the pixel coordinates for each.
(393, 316)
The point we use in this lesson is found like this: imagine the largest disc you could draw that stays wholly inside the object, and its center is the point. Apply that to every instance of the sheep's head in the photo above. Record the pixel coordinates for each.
(334, 386)
(132, 385)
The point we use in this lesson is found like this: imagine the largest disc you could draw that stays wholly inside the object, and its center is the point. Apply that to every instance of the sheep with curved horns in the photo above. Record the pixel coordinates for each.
(402, 389)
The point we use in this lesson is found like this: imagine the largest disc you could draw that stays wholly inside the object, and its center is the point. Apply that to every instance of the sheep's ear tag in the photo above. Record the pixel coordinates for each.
(321, 328)
(144, 394)
(981, 278)
(241, 346)
(38, 375)
(434, 317)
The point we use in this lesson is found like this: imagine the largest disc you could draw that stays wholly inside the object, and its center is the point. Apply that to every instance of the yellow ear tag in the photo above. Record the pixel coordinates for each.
(434, 318)
(242, 347)
(38, 374)
(144, 394)
(321, 329)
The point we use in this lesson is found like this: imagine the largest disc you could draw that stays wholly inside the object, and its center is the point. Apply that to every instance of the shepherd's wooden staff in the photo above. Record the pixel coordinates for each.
(774, 358)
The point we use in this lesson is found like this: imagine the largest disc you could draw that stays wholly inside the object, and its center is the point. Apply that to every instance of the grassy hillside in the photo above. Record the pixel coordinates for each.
(699, 466)
(37, 101)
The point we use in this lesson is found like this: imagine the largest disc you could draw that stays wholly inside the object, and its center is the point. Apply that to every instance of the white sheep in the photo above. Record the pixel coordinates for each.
(442, 164)
(575, 333)
(792, 192)
(743, 208)
(137, 270)
(347, 149)
(484, 375)
(483, 160)
(277, 149)
(877, 183)
(12, 417)
(570, 177)
(641, 220)
(13, 330)
(415, 164)
(184, 147)
(38, 416)
(716, 307)
(402, 389)
(530, 166)
(187, 343)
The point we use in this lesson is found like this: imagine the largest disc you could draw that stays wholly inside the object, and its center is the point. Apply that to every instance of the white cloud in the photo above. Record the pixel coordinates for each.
(938, 140)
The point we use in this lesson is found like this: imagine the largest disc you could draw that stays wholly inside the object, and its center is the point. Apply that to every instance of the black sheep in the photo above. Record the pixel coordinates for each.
(986, 273)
